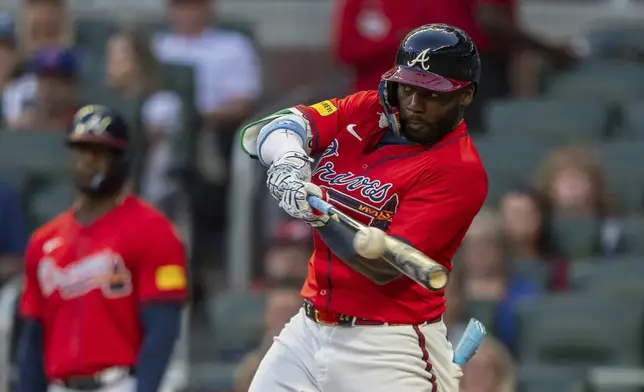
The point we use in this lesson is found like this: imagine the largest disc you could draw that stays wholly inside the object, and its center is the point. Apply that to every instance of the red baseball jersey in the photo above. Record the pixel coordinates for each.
(85, 284)
(426, 196)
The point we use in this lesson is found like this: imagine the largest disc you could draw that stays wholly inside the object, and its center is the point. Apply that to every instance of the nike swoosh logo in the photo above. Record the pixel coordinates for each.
(352, 131)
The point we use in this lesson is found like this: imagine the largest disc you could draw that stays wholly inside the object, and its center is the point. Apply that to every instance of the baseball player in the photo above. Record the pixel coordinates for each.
(105, 281)
(398, 159)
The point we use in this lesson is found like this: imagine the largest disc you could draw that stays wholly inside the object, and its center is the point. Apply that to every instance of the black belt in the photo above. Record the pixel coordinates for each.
(98, 380)
(343, 320)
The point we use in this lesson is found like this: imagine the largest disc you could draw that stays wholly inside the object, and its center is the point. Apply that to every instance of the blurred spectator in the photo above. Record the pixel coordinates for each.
(577, 187)
(8, 52)
(133, 71)
(245, 371)
(45, 24)
(223, 101)
(488, 273)
(283, 301)
(289, 252)
(13, 233)
(53, 106)
(368, 32)
(527, 224)
(574, 181)
(490, 370)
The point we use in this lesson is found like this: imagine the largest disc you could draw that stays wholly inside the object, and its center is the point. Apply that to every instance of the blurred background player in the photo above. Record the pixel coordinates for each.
(105, 280)
(398, 159)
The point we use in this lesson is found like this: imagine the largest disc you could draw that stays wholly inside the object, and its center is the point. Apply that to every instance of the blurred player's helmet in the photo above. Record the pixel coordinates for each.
(437, 57)
(99, 125)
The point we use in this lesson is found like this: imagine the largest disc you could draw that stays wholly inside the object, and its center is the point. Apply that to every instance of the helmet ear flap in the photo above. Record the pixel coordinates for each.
(389, 101)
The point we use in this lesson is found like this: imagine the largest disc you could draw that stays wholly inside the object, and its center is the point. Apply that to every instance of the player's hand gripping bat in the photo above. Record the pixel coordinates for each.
(403, 257)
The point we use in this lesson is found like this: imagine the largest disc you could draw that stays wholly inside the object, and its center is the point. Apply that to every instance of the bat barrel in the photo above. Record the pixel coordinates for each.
(438, 279)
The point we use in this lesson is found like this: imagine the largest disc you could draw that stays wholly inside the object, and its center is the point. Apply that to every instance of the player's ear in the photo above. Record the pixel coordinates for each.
(467, 96)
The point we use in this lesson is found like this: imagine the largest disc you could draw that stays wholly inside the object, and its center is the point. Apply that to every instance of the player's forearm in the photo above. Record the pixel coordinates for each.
(161, 323)
(30, 358)
(340, 240)
(284, 134)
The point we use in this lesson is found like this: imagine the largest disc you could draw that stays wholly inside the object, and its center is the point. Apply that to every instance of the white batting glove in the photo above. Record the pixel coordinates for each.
(295, 204)
(290, 167)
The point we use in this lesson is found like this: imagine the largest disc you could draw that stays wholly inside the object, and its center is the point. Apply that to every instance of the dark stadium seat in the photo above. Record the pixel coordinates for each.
(180, 79)
(633, 231)
(614, 277)
(611, 82)
(92, 34)
(537, 271)
(633, 120)
(614, 39)
(548, 120)
(32, 149)
(620, 162)
(484, 311)
(581, 330)
(544, 378)
(237, 322)
(49, 201)
(212, 376)
(509, 163)
(578, 237)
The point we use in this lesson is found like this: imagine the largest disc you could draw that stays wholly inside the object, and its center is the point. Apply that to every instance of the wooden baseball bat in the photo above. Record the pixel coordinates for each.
(406, 259)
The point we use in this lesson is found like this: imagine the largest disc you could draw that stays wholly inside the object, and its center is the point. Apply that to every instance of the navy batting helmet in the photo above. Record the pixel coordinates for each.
(96, 125)
(437, 57)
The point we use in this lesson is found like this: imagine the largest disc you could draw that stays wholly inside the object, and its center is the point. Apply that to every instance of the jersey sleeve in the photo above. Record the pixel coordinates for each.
(161, 272)
(434, 216)
(328, 118)
(31, 301)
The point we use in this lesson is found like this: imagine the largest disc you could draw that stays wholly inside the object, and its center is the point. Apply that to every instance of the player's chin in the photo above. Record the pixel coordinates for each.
(416, 131)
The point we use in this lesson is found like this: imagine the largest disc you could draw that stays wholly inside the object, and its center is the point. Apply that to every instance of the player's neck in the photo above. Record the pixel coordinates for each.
(88, 209)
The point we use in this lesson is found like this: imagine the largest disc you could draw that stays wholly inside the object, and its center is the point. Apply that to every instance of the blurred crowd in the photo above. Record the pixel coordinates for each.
(525, 244)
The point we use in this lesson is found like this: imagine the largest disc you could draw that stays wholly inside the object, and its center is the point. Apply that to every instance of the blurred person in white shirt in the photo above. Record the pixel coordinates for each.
(133, 71)
(227, 67)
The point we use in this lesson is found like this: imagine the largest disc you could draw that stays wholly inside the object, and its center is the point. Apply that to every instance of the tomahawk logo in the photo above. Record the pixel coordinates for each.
(422, 59)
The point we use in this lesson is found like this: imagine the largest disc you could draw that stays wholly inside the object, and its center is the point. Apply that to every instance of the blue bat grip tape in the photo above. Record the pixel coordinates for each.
(319, 204)
(470, 342)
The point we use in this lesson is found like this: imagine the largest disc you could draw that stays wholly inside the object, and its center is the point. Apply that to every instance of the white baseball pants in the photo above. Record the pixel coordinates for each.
(309, 357)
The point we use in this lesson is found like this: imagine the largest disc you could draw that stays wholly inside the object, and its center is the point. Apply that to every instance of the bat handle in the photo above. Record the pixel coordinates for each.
(470, 342)
(319, 204)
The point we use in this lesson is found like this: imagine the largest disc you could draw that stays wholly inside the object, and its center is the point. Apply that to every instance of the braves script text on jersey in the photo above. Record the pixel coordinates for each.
(85, 284)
